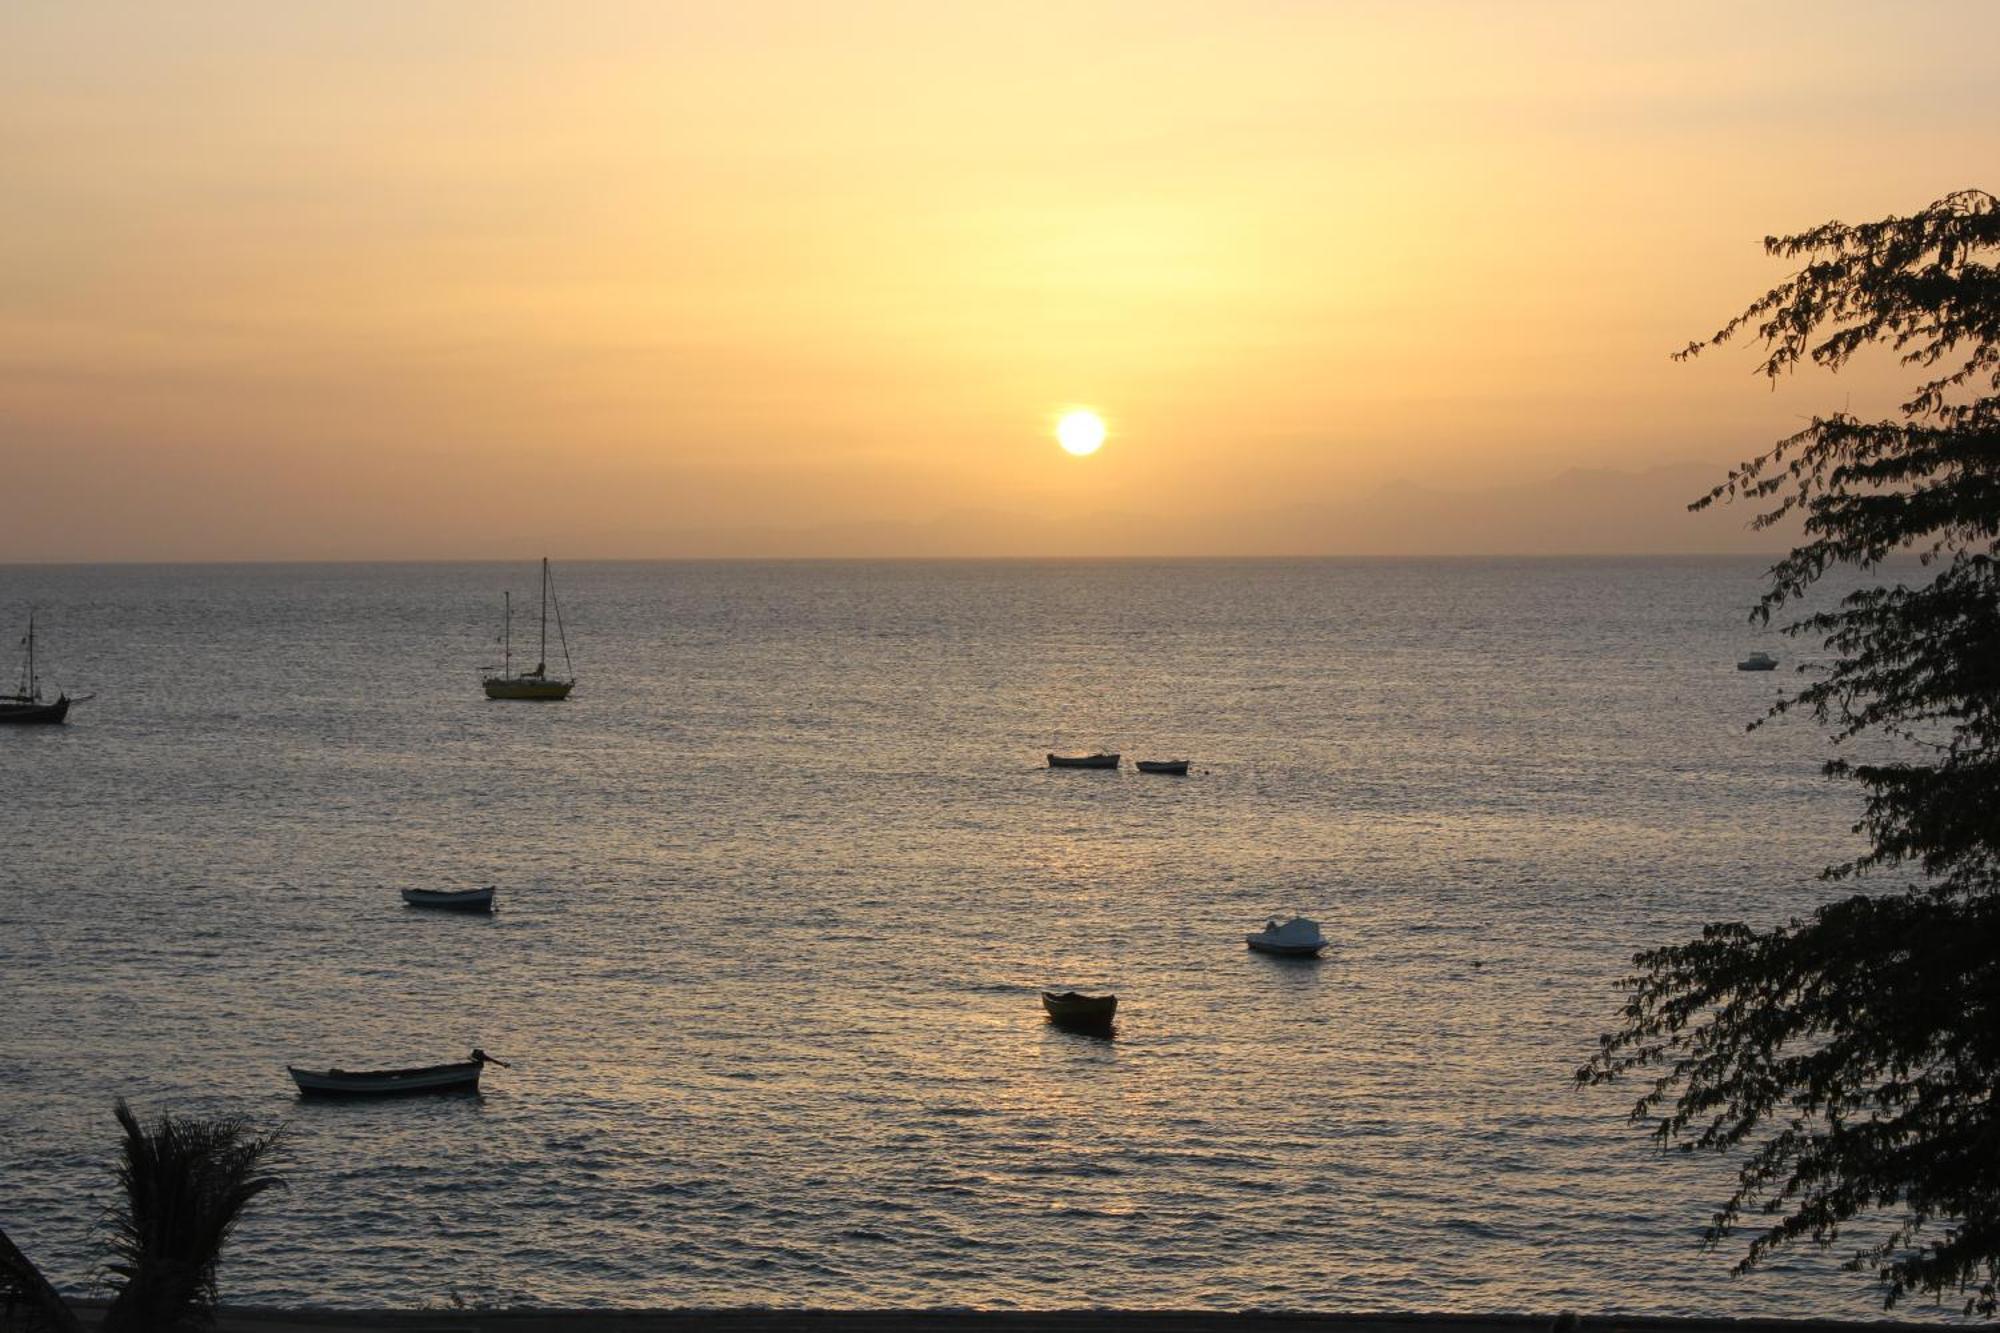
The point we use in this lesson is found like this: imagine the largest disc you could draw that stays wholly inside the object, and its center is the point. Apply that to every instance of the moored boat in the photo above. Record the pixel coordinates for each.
(26, 704)
(16, 708)
(1177, 767)
(1072, 1009)
(452, 900)
(537, 684)
(460, 1076)
(1083, 761)
(1758, 662)
(1296, 937)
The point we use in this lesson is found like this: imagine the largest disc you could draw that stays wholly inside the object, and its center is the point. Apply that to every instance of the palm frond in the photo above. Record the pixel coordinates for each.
(186, 1182)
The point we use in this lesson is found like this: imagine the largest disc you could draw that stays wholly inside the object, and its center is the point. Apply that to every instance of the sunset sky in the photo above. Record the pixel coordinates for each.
(488, 280)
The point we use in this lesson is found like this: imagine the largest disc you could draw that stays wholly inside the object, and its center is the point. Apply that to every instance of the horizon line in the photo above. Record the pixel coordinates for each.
(1274, 558)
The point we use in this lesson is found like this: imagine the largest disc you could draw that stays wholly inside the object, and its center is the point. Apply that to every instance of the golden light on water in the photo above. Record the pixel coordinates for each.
(1081, 432)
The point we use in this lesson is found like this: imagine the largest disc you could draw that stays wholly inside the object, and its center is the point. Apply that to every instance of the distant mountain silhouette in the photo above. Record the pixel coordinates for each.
(1582, 511)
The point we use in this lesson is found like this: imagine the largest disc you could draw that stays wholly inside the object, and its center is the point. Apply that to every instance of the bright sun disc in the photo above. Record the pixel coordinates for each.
(1080, 432)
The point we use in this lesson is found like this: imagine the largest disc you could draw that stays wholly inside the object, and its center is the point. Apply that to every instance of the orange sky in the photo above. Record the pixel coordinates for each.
(395, 280)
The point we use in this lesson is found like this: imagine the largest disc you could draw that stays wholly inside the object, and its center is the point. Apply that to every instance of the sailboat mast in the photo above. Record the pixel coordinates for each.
(542, 662)
(562, 635)
(34, 686)
(507, 634)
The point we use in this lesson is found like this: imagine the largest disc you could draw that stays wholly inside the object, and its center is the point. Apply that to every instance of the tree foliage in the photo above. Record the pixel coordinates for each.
(1852, 1058)
(186, 1182)
(28, 1304)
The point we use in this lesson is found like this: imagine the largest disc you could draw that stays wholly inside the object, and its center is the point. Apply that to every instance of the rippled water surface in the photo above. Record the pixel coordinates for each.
(779, 886)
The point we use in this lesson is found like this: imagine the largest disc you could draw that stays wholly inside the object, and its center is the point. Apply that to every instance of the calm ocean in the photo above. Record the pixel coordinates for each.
(780, 883)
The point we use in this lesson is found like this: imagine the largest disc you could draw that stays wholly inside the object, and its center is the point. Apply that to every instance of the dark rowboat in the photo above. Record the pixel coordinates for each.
(1069, 1009)
(1083, 761)
(1177, 767)
(463, 1076)
(452, 900)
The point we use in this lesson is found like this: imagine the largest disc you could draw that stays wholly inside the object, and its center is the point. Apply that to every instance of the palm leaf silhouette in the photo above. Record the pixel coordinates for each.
(186, 1182)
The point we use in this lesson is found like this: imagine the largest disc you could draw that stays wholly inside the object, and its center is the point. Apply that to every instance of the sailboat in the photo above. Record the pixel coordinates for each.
(536, 684)
(26, 705)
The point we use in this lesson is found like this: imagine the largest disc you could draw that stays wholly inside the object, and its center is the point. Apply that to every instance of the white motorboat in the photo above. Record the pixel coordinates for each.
(1293, 937)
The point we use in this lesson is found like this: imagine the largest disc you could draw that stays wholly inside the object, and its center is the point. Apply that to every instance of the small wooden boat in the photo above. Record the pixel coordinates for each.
(1177, 767)
(1083, 761)
(1083, 1011)
(1758, 662)
(452, 900)
(26, 704)
(1297, 937)
(462, 1076)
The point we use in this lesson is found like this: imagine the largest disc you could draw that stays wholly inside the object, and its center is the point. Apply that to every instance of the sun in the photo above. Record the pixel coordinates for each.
(1081, 432)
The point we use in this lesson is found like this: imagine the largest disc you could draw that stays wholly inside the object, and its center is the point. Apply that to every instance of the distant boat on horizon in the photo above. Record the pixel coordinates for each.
(25, 704)
(536, 684)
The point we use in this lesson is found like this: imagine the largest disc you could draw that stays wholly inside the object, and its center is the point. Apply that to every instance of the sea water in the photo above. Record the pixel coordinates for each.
(780, 883)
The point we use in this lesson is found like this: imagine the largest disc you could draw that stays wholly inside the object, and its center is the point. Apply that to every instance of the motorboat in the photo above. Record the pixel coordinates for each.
(1083, 761)
(1292, 937)
(1071, 1009)
(460, 1076)
(452, 900)
(1758, 662)
(1176, 767)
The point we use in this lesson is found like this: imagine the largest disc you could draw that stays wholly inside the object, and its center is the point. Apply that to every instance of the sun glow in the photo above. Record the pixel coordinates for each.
(1080, 432)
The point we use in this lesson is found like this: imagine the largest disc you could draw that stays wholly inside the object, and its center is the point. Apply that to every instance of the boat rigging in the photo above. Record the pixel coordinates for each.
(26, 704)
(537, 684)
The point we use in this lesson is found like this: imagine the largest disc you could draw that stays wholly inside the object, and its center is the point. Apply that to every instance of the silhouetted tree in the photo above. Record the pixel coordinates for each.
(186, 1183)
(1853, 1056)
(28, 1304)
